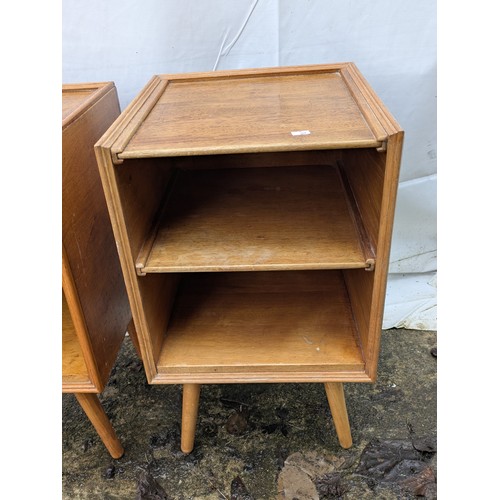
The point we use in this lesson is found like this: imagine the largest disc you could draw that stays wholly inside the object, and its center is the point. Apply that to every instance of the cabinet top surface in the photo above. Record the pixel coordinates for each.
(78, 97)
(273, 109)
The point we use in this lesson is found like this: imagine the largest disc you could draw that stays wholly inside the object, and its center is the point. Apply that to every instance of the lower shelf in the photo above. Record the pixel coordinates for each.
(261, 327)
(74, 369)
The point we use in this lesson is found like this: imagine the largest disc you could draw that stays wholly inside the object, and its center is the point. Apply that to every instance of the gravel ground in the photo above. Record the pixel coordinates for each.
(263, 441)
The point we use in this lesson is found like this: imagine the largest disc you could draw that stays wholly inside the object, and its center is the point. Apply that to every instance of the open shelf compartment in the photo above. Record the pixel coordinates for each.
(74, 368)
(274, 326)
(256, 219)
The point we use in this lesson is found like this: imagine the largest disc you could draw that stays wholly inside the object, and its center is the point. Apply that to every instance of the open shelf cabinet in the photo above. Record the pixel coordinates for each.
(95, 307)
(253, 210)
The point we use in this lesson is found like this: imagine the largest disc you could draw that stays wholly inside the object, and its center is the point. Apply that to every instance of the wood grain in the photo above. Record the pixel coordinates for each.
(77, 98)
(87, 236)
(74, 368)
(258, 160)
(95, 309)
(74, 323)
(237, 120)
(257, 219)
(205, 116)
(365, 173)
(226, 323)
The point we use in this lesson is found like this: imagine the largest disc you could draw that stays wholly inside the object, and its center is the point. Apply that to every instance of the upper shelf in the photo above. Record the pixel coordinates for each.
(258, 219)
(248, 111)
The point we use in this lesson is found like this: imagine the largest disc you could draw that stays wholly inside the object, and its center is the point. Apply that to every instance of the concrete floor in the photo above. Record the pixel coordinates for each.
(263, 441)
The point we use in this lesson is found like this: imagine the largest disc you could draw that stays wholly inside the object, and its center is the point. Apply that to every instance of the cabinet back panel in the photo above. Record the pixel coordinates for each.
(291, 159)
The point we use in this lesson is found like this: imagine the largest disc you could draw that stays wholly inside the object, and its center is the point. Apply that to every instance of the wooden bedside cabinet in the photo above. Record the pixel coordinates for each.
(95, 308)
(253, 210)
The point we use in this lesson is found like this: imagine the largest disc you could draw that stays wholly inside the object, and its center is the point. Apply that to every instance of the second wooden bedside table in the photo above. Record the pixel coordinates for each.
(95, 308)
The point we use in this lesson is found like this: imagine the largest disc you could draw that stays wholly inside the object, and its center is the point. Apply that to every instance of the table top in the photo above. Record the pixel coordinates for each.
(254, 110)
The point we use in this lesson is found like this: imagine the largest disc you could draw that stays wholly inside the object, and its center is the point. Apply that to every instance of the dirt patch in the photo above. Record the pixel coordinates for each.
(259, 441)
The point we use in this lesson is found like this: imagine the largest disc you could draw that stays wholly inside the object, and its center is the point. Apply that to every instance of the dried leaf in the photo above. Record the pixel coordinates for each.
(149, 489)
(239, 490)
(110, 472)
(422, 484)
(402, 463)
(237, 423)
(331, 486)
(425, 445)
(295, 483)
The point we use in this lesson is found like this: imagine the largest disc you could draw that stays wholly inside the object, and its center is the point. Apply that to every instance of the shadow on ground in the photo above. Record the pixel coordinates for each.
(263, 441)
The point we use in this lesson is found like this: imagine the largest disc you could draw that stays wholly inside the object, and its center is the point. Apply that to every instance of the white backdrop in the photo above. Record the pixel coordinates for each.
(392, 43)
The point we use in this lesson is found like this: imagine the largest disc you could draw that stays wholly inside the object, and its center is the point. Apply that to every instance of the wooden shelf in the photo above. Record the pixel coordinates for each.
(256, 219)
(277, 326)
(74, 368)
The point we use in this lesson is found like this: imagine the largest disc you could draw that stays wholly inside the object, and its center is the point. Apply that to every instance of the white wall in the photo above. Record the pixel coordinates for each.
(392, 43)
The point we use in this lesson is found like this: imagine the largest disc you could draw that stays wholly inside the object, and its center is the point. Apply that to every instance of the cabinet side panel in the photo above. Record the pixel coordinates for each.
(142, 187)
(373, 178)
(365, 171)
(360, 286)
(87, 234)
(390, 189)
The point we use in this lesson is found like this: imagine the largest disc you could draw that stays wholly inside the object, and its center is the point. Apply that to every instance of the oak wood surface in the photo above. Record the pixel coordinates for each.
(258, 160)
(89, 245)
(226, 323)
(139, 187)
(257, 219)
(95, 310)
(79, 97)
(146, 130)
(73, 99)
(387, 210)
(365, 172)
(74, 368)
(206, 116)
(74, 322)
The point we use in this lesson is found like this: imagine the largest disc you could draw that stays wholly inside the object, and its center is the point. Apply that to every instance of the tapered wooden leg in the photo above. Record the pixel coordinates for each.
(336, 400)
(190, 400)
(132, 332)
(95, 412)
